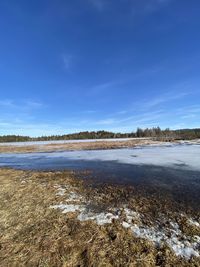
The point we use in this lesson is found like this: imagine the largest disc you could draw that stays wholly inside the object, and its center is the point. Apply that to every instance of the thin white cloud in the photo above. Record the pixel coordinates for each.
(147, 6)
(122, 112)
(15, 116)
(188, 116)
(119, 82)
(101, 88)
(194, 109)
(30, 129)
(109, 121)
(169, 97)
(9, 104)
(33, 104)
(67, 61)
(98, 4)
(152, 112)
(35, 129)
(189, 112)
(136, 6)
(89, 111)
(131, 120)
(18, 117)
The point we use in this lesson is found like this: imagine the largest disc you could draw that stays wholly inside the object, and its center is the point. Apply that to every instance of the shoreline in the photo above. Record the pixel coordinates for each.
(94, 145)
(73, 146)
(58, 208)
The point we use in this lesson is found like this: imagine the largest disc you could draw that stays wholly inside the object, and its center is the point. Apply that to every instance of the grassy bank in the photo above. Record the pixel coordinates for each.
(75, 146)
(56, 219)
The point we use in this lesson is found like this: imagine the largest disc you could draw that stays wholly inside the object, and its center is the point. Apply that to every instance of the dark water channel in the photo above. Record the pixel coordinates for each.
(182, 184)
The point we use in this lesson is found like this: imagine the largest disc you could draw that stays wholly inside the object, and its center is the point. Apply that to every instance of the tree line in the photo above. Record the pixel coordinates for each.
(155, 132)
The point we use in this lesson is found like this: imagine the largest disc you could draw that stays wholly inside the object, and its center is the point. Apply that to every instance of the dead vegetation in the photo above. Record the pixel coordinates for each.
(32, 234)
(76, 146)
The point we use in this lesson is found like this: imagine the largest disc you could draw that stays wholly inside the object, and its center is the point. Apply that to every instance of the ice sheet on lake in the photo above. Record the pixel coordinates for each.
(181, 156)
(175, 156)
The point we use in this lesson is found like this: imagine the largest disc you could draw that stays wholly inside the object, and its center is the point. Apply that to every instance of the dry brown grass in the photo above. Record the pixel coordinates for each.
(76, 146)
(32, 234)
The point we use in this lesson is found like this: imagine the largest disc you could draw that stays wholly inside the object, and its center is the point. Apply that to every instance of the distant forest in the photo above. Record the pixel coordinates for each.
(156, 133)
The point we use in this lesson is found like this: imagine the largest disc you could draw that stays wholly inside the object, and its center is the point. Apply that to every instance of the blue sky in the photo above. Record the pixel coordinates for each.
(73, 65)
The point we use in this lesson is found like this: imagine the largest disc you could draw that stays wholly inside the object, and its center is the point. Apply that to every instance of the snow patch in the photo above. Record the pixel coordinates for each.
(100, 218)
(172, 236)
(181, 245)
(126, 225)
(131, 215)
(183, 248)
(74, 197)
(193, 223)
(61, 191)
(66, 208)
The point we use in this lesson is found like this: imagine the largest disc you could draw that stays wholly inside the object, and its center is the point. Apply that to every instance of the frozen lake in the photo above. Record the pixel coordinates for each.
(177, 156)
(172, 168)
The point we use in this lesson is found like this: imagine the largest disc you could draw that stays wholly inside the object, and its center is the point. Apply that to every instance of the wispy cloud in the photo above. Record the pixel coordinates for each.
(194, 109)
(123, 80)
(108, 121)
(35, 128)
(135, 7)
(101, 88)
(31, 129)
(9, 104)
(133, 119)
(67, 61)
(33, 104)
(151, 112)
(91, 111)
(165, 98)
(189, 112)
(147, 6)
(189, 116)
(98, 4)
(18, 117)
